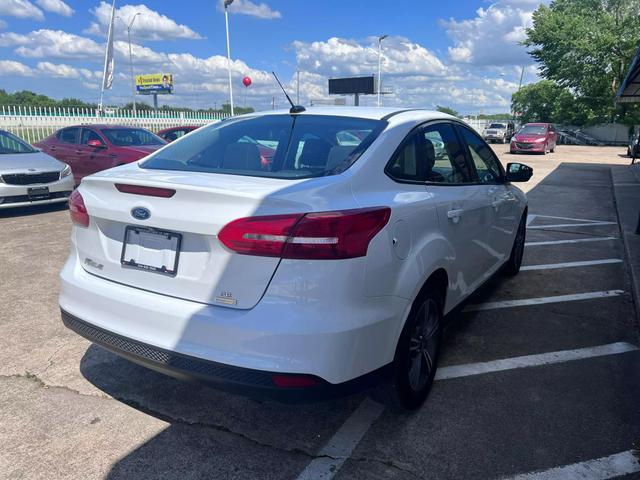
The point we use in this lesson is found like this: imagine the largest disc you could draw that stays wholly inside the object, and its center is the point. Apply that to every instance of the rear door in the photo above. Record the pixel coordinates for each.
(66, 150)
(461, 215)
(495, 203)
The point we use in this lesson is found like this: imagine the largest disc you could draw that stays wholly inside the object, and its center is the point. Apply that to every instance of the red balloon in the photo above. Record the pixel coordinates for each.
(246, 81)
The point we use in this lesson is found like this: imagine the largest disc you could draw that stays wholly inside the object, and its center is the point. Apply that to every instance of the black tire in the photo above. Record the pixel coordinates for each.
(417, 352)
(553, 150)
(628, 152)
(512, 267)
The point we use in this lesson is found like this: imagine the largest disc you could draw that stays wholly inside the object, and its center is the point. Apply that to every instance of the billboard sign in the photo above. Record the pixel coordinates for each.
(343, 86)
(155, 83)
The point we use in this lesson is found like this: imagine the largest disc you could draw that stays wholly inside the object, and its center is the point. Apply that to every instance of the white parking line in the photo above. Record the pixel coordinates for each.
(541, 300)
(562, 225)
(342, 444)
(575, 240)
(340, 447)
(551, 266)
(616, 465)
(530, 218)
(466, 370)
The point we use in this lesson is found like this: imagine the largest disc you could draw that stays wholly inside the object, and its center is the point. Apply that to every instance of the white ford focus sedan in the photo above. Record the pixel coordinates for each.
(294, 255)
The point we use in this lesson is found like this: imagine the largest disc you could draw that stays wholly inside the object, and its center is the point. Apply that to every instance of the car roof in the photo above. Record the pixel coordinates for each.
(373, 113)
(101, 126)
(538, 124)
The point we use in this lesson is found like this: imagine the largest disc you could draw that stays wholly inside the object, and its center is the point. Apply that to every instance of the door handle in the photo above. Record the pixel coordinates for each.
(455, 214)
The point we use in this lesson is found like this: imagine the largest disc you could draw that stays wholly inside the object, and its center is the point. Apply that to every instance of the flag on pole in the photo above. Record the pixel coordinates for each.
(107, 76)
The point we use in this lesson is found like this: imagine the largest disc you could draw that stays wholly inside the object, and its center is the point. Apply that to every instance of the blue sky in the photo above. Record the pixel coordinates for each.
(462, 53)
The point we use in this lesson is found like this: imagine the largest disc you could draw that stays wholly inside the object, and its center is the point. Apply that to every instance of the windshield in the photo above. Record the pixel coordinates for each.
(276, 146)
(9, 144)
(533, 130)
(497, 125)
(127, 137)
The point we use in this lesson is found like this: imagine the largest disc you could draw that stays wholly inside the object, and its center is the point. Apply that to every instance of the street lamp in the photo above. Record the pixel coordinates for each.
(380, 39)
(226, 21)
(133, 80)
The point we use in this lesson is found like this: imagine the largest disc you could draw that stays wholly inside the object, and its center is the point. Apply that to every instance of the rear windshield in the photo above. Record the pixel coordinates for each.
(125, 137)
(533, 130)
(277, 146)
(11, 144)
(497, 125)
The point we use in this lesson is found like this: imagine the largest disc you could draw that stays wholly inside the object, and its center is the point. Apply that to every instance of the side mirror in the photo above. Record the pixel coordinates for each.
(95, 144)
(518, 172)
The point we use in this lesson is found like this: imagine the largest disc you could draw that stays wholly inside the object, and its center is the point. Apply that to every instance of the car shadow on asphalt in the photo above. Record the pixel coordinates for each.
(32, 210)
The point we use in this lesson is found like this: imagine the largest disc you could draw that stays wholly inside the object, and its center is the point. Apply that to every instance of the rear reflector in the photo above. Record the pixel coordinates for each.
(294, 381)
(312, 236)
(78, 210)
(148, 191)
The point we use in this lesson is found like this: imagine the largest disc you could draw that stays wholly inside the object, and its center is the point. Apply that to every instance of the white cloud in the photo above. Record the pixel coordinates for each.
(56, 6)
(13, 68)
(52, 44)
(149, 25)
(493, 36)
(20, 9)
(62, 70)
(247, 7)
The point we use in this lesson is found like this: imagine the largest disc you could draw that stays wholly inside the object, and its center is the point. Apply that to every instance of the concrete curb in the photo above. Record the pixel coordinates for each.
(625, 181)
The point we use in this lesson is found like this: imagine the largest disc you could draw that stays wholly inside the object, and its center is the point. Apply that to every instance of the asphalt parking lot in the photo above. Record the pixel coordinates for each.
(540, 374)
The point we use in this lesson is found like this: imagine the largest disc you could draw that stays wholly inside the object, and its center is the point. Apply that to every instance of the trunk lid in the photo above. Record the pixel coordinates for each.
(207, 271)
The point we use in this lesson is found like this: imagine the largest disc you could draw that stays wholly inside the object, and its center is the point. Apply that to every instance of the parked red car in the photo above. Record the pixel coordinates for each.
(89, 149)
(535, 137)
(174, 133)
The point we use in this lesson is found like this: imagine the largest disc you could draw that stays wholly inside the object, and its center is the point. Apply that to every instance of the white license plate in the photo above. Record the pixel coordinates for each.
(151, 249)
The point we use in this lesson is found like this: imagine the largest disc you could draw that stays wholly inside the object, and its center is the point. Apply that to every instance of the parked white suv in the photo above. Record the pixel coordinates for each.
(318, 272)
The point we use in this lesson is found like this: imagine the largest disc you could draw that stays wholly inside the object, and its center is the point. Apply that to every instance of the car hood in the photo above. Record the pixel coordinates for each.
(29, 162)
(528, 138)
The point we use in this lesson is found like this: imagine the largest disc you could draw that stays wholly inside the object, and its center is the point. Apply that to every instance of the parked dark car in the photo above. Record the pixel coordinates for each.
(535, 137)
(91, 148)
(174, 133)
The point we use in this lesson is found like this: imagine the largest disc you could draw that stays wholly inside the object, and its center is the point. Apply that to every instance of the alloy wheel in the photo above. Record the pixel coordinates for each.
(423, 345)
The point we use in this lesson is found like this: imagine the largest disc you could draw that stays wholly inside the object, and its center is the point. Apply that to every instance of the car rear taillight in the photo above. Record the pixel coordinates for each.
(148, 191)
(78, 210)
(312, 236)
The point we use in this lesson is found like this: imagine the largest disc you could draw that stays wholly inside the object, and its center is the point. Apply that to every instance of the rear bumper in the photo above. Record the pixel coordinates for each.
(245, 381)
(333, 341)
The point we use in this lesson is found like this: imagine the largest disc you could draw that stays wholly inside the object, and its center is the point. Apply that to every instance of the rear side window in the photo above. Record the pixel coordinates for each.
(277, 146)
(432, 154)
(68, 135)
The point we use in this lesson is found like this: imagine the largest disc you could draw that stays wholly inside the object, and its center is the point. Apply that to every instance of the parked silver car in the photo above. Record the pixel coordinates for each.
(499, 131)
(29, 176)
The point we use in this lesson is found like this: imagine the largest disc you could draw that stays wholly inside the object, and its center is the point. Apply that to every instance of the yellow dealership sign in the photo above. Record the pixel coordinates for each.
(154, 83)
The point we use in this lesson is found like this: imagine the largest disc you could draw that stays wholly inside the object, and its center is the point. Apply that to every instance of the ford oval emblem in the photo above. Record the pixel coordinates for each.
(140, 213)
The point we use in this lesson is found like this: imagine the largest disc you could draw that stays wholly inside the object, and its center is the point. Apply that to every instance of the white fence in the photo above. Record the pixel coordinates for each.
(35, 123)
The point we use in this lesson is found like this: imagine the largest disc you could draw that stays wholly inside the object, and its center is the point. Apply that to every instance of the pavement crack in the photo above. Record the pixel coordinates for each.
(33, 377)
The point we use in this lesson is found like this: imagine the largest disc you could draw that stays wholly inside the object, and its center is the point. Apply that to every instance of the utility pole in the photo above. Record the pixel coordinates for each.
(226, 21)
(380, 39)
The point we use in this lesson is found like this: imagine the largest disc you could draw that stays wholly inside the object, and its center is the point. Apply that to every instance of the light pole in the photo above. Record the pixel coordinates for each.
(380, 39)
(226, 21)
(133, 80)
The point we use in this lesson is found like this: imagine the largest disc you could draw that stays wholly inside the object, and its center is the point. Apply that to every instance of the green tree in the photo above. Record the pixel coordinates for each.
(447, 110)
(586, 46)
